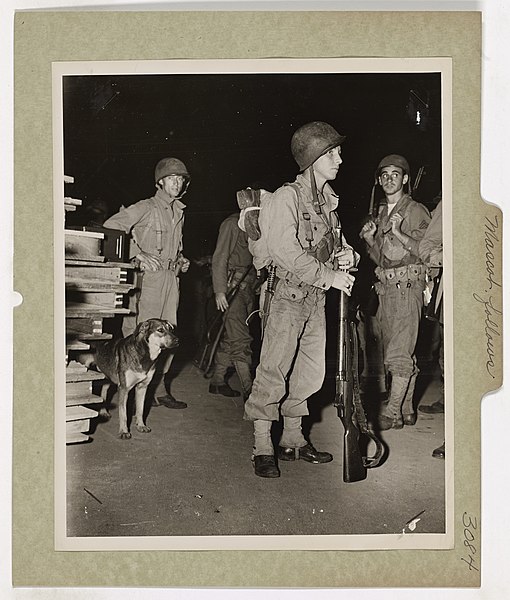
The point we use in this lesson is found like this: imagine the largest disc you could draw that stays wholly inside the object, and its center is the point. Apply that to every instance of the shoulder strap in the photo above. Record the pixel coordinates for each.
(304, 212)
(155, 222)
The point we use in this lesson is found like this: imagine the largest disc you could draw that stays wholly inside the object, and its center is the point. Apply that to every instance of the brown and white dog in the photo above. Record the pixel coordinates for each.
(130, 363)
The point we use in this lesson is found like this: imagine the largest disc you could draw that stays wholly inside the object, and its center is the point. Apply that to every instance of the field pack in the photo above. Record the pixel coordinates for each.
(254, 217)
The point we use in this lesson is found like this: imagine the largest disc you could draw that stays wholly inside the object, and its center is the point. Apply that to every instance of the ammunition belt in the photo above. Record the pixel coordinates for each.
(397, 275)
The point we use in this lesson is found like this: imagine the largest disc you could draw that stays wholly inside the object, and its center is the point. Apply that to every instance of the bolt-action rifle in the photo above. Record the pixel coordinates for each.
(214, 332)
(348, 400)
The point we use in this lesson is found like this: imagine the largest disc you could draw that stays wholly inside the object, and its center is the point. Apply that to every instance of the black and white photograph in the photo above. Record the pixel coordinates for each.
(253, 326)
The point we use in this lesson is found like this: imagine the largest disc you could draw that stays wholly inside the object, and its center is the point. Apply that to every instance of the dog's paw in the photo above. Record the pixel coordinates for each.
(104, 415)
(125, 435)
(143, 428)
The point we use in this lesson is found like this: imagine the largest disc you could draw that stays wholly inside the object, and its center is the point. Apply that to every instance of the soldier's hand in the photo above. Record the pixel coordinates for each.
(221, 301)
(149, 262)
(343, 281)
(368, 231)
(396, 222)
(184, 263)
(345, 258)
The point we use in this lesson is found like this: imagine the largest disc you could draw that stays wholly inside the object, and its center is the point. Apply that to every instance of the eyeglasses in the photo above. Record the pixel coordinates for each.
(176, 178)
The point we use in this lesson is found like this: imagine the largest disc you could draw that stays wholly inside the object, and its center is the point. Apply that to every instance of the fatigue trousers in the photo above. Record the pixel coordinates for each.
(235, 344)
(292, 361)
(158, 298)
(399, 314)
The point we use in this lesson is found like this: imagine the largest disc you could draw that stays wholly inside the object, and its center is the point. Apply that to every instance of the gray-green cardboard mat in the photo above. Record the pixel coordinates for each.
(42, 38)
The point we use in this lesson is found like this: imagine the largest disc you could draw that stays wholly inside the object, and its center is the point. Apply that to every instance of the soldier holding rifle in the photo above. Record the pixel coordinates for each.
(392, 239)
(302, 245)
(232, 268)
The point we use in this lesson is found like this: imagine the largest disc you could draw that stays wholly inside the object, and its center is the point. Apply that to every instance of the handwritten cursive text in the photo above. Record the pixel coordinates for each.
(491, 238)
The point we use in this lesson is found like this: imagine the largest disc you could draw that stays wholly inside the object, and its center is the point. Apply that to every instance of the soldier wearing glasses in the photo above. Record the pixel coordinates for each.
(392, 242)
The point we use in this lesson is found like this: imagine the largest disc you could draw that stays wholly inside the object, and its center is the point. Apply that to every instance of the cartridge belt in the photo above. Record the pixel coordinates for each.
(404, 274)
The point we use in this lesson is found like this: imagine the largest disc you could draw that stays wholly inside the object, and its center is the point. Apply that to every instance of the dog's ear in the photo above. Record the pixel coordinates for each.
(142, 329)
(171, 326)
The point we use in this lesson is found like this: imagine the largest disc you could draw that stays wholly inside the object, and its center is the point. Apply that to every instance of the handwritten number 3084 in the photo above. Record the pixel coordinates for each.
(469, 537)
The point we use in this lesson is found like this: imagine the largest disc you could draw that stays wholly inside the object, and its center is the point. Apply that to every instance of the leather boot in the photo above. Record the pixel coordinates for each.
(244, 373)
(408, 413)
(391, 414)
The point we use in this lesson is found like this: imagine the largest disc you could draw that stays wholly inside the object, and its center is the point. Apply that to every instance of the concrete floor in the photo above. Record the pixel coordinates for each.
(192, 475)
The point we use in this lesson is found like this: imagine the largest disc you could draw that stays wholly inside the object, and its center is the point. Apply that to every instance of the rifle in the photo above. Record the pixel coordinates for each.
(269, 293)
(215, 331)
(348, 400)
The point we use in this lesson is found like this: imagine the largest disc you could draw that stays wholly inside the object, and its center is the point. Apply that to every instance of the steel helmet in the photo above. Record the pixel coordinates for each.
(394, 160)
(311, 141)
(170, 166)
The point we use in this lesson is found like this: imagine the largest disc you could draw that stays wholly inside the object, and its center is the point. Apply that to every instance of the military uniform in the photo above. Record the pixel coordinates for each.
(292, 362)
(300, 238)
(401, 281)
(232, 266)
(156, 228)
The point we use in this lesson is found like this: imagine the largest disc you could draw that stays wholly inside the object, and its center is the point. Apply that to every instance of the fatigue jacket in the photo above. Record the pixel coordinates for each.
(231, 254)
(388, 251)
(286, 233)
(145, 218)
(431, 245)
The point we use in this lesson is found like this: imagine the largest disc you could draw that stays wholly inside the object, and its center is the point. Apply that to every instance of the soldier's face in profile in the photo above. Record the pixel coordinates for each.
(327, 165)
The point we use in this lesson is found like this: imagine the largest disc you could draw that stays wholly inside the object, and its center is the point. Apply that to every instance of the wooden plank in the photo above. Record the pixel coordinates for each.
(81, 263)
(73, 201)
(101, 299)
(71, 233)
(79, 388)
(95, 337)
(78, 258)
(81, 400)
(77, 327)
(75, 367)
(77, 426)
(86, 376)
(79, 413)
(80, 310)
(76, 438)
(76, 345)
(68, 179)
(98, 285)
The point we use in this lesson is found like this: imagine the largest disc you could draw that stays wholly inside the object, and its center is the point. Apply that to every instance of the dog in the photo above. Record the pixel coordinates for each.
(130, 362)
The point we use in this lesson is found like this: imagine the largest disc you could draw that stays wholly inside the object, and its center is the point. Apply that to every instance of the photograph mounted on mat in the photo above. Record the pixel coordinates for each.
(352, 381)
(328, 401)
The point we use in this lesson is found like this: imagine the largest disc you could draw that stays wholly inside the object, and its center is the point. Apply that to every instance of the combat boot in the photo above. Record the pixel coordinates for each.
(391, 414)
(408, 413)
(244, 373)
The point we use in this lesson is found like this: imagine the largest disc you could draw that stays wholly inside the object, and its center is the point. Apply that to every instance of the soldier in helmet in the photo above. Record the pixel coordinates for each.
(303, 241)
(393, 239)
(156, 225)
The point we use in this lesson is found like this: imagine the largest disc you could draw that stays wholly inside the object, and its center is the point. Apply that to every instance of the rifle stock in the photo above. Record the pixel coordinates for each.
(353, 466)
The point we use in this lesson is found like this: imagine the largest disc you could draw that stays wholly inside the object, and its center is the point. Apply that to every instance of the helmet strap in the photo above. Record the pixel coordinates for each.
(315, 196)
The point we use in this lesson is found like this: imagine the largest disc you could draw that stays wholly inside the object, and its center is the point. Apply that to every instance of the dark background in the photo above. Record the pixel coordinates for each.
(234, 130)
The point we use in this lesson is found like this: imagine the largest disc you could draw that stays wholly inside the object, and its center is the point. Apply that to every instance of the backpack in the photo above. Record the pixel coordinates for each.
(253, 220)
